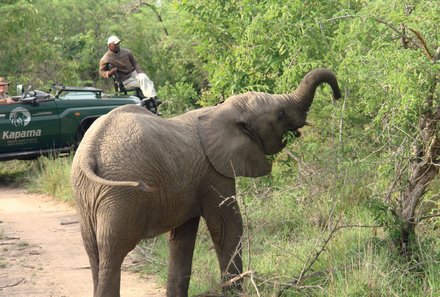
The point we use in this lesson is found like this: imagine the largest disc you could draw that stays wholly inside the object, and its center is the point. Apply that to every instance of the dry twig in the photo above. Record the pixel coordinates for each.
(312, 260)
(12, 285)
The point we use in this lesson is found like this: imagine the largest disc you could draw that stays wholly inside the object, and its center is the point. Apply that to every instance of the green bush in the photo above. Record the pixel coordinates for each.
(177, 98)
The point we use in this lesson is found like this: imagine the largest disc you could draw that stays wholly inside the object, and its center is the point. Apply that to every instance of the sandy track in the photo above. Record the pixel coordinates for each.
(41, 251)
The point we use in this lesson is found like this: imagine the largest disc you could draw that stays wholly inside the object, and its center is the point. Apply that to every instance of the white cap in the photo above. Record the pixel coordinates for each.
(113, 39)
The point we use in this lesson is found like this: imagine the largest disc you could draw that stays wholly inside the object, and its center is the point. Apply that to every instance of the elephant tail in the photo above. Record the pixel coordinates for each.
(87, 169)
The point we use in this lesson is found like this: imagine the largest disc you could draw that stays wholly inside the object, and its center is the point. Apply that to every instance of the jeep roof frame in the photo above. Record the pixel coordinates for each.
(59, 89)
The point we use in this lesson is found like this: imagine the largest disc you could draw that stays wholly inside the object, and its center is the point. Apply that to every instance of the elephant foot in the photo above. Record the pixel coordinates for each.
(232, 286)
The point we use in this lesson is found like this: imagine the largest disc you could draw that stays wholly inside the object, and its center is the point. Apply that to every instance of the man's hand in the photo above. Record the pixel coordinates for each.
(112, 71)
(6, 100)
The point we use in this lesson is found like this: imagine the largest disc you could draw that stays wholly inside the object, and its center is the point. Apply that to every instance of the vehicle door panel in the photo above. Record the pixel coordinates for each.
(28, 127)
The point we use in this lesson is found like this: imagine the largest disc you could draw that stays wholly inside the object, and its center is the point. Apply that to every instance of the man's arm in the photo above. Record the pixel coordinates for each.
(104, 70)
(6, 100)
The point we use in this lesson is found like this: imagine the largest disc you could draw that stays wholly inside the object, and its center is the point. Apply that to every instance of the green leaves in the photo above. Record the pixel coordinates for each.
(250, 45)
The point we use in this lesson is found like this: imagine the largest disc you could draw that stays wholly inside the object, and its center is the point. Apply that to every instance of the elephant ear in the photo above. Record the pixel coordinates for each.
(231, 151)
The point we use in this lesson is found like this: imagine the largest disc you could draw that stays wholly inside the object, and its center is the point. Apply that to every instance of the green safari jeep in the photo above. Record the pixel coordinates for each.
(41, 123)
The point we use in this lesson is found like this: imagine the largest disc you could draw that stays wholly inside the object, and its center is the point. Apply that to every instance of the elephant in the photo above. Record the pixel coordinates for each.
(136, 175)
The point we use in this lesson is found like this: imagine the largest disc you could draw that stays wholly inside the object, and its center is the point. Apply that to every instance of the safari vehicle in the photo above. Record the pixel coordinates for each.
(40, 123)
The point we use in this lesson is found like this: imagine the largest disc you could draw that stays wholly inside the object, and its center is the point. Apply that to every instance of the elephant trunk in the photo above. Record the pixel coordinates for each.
(304, 94)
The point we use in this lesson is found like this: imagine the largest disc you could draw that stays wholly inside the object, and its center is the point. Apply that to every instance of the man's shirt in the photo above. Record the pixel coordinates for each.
(124, 61)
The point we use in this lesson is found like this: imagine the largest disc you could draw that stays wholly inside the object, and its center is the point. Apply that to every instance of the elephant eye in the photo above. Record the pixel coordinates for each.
(281, 115)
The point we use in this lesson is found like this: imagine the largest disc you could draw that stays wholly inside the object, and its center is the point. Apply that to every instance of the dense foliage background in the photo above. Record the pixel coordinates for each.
(332, 217)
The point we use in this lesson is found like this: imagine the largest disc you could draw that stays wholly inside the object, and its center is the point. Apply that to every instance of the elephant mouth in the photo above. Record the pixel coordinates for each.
(288, 136)
(291, 134)
(296, 133)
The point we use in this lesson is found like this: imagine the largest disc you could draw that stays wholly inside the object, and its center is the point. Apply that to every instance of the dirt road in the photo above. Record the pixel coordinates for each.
(41, 251)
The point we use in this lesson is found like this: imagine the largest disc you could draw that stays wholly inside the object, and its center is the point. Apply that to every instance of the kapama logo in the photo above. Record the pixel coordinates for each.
(20, 117)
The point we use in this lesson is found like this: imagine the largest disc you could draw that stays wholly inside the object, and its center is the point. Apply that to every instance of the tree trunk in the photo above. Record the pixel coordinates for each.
(423, 169)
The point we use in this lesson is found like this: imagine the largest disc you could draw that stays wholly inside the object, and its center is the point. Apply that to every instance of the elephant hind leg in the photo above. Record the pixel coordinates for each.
(119, 229)
(90, 244)
(112, 251)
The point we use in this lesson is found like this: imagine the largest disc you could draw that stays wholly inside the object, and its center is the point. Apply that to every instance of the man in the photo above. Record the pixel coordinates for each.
(4, 97)
(120, 61)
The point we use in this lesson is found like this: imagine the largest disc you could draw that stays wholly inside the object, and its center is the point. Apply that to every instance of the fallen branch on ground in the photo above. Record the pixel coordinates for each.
(12, 285)
(69, 223)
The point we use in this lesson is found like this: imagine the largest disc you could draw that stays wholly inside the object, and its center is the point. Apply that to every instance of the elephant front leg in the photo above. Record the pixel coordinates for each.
(225, 225)
(181, 244)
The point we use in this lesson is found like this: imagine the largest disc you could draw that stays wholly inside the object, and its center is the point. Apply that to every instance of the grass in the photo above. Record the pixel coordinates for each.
(44, 175)
(52, 176)
(289, 217)
(14, 172)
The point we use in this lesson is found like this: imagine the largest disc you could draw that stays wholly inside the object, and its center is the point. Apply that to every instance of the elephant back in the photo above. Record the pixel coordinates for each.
(131, 144)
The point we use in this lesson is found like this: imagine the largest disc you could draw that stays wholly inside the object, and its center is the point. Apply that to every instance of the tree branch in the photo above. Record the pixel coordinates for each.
(401, 34)
(422, 43)
(390, 26)
(437, 215)
(134, 8)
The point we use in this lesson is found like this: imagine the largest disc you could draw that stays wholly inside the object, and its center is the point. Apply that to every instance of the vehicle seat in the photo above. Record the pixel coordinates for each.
(121, 89)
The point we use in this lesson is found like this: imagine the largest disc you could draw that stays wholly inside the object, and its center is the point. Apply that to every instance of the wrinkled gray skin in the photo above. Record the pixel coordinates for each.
(136, 175)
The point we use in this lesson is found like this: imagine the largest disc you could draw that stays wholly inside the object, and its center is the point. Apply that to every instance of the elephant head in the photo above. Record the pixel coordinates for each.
(238, 134)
